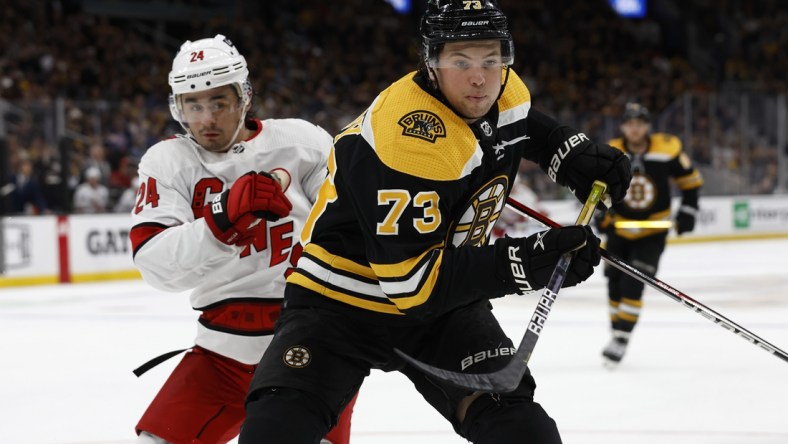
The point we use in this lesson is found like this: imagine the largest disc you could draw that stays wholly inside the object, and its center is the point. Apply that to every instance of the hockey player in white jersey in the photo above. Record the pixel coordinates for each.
(219, 210)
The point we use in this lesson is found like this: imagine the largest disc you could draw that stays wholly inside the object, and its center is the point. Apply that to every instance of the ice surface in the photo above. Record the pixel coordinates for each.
(68, 352)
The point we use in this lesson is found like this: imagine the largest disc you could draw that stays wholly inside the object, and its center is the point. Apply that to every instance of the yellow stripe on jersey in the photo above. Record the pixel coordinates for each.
(690, 181)
(382, 307)
(326, 195)
(339, 262)
(411, 282)
(404, 268)
(636, 233)
(424, 292)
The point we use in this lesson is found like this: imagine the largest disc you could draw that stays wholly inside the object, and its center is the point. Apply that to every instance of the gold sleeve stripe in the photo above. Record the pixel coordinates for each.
(408, 286)
(330, 276)
(637, 233)
(402, 269)
(339, 262)
(403, 303)
(302, 280)
(690, 181)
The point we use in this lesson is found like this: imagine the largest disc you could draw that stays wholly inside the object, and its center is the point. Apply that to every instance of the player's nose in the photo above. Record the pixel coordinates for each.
(476, 76)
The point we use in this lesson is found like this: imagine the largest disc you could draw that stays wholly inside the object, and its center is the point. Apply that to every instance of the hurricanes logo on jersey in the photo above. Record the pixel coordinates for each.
(297, 356)
(642, 193)
(422, 125)
(477, 220)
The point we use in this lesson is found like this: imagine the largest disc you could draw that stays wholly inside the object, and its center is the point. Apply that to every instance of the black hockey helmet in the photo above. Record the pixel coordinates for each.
(457, 20)
(634, 110)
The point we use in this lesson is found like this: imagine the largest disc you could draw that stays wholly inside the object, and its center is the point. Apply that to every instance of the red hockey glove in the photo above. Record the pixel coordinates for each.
(233, 215)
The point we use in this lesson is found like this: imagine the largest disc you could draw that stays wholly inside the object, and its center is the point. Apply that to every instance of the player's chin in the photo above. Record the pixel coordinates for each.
(477, 111)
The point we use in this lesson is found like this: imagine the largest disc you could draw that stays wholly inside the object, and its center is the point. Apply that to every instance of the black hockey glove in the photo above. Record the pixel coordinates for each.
(527, 263)
(685, 220)
(578, 162)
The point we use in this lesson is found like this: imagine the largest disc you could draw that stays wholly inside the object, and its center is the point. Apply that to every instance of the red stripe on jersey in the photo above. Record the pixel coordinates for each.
(142, 233)
(247, 317)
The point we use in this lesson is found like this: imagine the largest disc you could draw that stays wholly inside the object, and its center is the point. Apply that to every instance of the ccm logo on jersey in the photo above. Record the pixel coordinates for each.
(518, 271)
(487, 354)
(555, 162)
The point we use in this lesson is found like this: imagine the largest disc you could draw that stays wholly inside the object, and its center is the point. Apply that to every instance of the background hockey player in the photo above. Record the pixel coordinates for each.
(396, 247)
(218, 211)
(638, 226)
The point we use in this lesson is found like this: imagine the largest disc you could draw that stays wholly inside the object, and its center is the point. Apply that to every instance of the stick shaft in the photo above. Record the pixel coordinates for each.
(663, 288)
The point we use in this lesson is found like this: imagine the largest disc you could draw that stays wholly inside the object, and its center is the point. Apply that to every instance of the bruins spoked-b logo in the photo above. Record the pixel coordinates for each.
(642, 193)
(297, 356)
(483, 209)
(422, 125)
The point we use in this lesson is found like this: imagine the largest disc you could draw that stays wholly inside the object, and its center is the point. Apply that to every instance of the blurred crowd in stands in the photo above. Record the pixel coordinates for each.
(87, 93)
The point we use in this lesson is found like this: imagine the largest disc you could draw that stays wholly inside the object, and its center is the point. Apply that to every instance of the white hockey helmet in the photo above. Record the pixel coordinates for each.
(206, 64)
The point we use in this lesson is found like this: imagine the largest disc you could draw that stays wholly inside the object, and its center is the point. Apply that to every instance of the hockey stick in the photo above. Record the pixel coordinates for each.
(508, 378)
(663, 288)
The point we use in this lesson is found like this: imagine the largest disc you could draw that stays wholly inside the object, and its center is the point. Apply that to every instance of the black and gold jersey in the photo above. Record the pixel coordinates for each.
(649, 194)
(410, 187)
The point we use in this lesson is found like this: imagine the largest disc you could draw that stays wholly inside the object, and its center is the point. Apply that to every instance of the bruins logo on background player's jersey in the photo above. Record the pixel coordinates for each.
(477, 220)
(642, 193)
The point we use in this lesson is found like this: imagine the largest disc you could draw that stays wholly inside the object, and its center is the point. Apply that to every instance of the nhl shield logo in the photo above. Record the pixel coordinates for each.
(422, 125)
(297, 356)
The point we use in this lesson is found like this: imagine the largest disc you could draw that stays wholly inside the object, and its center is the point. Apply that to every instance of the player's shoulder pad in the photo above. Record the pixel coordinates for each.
(617, 143)
(297, 133)
(515, 102)
(665, 145)
(168, 156)
(412, 132)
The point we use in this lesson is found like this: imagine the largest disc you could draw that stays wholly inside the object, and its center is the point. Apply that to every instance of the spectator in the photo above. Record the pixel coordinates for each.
(128, 199)
(96, 159)
(91, 196)
(26, 196)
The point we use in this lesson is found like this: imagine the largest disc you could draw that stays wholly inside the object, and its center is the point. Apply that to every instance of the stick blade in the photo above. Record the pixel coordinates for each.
(502, 381)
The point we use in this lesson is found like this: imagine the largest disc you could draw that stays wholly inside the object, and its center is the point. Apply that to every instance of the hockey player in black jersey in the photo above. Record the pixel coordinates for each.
(396, 247)
(638, 226)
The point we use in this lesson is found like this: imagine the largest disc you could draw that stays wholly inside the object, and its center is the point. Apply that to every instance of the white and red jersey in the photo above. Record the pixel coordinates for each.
(174, 249)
